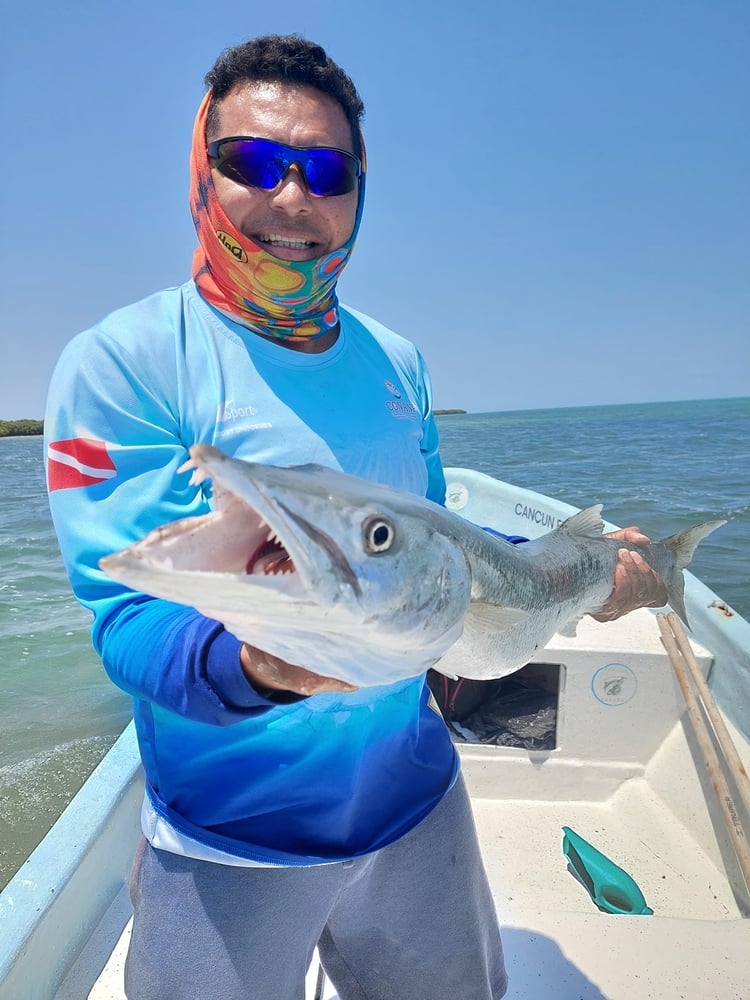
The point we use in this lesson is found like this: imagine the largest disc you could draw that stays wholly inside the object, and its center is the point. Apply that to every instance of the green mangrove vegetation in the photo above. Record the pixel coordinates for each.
(15, 428)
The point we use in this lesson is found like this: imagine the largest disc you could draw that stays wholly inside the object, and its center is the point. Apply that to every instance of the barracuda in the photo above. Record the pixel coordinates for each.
(364, 583)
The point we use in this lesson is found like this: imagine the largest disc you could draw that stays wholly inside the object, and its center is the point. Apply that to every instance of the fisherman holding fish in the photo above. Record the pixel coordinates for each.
(284, 809)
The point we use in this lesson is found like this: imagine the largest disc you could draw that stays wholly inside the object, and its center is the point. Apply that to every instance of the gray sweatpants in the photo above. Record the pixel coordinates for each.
(414, 921)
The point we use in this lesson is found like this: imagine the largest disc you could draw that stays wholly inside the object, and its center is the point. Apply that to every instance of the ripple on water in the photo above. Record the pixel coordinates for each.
(33, 793)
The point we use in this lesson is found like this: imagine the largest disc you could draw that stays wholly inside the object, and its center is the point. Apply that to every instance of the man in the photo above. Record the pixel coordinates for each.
(284, 810)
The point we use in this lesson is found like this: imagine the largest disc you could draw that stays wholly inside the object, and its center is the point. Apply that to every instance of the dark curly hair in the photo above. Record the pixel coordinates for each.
(284, 59)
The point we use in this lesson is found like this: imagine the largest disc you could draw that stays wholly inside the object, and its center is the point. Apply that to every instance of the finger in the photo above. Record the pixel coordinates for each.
(636, 537)
(315, 684)
(336, 685)
(632, 535)
(628, 565)
(634, 559)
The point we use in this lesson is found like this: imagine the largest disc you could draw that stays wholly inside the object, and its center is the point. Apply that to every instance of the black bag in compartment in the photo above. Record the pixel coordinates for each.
(457, 698)
(519, 710)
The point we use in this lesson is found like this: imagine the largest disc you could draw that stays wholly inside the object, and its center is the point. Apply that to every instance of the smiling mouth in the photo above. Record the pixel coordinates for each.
(285, 241)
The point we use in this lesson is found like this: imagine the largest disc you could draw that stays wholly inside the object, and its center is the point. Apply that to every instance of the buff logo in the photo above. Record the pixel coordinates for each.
(234, 248)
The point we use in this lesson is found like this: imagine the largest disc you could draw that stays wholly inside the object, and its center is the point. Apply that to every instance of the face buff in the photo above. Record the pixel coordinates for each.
(290, 300)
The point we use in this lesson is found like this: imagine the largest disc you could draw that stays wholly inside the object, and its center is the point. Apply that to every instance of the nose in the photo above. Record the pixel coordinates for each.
(292, 194)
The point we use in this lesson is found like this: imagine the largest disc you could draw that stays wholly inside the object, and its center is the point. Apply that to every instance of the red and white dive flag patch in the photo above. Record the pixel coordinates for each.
(78, 462)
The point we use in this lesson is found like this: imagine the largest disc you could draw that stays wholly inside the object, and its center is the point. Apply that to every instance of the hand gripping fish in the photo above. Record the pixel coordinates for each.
(362, 582)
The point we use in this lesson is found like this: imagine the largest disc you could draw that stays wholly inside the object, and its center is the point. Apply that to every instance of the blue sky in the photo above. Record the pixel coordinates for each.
(558, 207)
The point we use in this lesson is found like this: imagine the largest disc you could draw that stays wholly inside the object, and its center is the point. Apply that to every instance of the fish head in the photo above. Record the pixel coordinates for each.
(321, 568)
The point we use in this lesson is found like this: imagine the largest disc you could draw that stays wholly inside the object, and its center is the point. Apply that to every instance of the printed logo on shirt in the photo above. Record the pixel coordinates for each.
(78, 462)
(229, 244)
(232, 420)
(398, 408)
(228, 411)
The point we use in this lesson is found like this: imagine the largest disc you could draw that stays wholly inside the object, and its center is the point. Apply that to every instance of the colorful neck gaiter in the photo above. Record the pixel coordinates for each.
(291, 300)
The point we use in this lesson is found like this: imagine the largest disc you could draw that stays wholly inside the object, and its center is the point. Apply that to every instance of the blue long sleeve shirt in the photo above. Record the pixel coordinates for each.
(326, 778)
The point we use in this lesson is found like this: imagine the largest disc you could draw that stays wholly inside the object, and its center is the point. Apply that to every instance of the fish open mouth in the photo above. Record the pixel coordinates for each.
(242, 542)
(258, 534)
(269, 559)
(257, 515)
(234, 540)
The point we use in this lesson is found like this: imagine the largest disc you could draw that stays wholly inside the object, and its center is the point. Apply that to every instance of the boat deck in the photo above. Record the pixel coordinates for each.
(627, 776)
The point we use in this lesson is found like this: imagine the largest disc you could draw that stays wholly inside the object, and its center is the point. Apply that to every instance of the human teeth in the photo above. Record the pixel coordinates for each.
(281, 241)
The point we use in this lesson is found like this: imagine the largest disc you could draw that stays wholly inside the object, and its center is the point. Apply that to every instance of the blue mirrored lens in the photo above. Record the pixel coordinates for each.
(261, 163)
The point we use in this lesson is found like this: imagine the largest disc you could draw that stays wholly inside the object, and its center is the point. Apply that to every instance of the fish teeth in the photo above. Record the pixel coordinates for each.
(199, 473)
(272, 535)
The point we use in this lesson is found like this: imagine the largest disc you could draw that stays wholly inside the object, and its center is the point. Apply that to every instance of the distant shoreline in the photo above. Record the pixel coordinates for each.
(21, 428)
(29, 428)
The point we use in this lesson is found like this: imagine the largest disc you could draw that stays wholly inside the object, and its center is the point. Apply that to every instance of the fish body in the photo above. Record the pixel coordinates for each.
(361, 582)
(550, 583)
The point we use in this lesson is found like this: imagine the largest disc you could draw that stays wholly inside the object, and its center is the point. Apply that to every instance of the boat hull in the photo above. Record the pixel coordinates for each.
(624, 773)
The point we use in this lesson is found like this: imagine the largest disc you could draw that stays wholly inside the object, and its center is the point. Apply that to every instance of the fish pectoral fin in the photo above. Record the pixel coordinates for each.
(494, 617)
(570, 627)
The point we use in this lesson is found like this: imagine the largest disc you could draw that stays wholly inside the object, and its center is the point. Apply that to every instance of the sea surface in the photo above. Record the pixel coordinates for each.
(661, 466)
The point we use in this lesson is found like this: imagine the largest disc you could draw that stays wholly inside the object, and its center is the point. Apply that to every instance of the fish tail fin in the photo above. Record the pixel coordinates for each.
(683, 546)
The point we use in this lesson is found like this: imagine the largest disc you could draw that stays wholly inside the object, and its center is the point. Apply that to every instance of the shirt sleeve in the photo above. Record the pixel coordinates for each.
(430, 437)
(515, 539)
(114, 444)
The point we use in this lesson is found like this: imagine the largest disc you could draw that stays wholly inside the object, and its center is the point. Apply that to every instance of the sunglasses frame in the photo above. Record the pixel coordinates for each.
(214, 151)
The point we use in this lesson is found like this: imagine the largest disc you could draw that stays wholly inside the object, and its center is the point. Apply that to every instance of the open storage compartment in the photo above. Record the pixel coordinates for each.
(520, 710)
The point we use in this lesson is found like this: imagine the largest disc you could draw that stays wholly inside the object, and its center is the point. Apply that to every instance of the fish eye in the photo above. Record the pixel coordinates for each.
(378, 533)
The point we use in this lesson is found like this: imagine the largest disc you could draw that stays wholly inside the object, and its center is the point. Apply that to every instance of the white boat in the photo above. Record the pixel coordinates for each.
(626, 772)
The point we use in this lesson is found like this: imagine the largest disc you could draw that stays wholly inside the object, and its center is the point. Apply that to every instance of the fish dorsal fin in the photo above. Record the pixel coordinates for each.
(586, 523)
(493, 617)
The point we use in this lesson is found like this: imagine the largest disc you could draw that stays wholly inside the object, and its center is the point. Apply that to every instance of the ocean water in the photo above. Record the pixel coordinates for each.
(661, 466)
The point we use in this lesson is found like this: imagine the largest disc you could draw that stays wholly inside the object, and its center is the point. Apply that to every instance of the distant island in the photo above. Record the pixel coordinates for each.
(20, 428)
(26, 428)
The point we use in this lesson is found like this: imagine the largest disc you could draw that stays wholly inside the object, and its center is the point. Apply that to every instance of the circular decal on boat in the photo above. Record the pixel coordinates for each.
(456, 496)
(614, 684)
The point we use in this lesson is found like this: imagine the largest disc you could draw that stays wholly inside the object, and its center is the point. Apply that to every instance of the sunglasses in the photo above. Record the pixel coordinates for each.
(262, 163)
